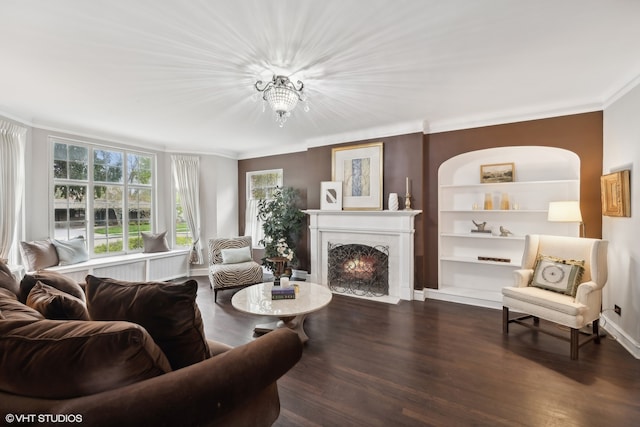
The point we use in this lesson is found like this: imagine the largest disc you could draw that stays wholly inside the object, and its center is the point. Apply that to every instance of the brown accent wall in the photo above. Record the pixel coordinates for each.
(580, 133)
(402, 155)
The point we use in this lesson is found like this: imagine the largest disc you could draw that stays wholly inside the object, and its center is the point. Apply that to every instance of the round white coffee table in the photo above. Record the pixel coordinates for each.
(256, 299)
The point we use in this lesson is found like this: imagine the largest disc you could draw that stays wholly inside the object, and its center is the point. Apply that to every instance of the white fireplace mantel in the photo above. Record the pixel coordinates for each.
(391, 228)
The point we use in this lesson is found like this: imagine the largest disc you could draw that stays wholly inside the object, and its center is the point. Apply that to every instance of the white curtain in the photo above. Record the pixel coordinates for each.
(253, 225)
(186, 172)
(12, 147)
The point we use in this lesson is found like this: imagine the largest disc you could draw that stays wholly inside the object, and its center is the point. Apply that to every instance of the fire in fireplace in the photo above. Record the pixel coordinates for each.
(358, 269)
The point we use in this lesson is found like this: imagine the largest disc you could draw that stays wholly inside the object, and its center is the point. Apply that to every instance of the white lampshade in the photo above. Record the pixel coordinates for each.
(566, 211)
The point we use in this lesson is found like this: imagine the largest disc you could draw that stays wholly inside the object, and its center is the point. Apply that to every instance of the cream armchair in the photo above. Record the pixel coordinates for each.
(543, 288)
(231, 265)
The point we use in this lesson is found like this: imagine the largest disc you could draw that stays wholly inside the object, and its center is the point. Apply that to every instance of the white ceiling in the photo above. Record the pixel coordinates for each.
(178, 75)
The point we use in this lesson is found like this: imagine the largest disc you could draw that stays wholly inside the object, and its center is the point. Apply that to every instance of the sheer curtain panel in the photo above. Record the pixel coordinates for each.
(12, 146)
(186, 173)
(253, 224)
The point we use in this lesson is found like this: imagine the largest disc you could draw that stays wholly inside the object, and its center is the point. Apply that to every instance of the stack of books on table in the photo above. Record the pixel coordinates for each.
(278, 292)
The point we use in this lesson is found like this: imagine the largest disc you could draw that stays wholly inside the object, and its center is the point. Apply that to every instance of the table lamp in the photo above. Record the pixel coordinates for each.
(566, 211)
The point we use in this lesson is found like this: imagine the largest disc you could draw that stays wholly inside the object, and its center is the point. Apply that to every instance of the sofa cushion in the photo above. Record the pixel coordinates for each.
(155, 242)
(51, 278)
(236, 255)
(167, 310)
(74, 358)
(7, 280)
(557, 275)
(38, 254)
(55, 304)
(71, 251)
(12, 309)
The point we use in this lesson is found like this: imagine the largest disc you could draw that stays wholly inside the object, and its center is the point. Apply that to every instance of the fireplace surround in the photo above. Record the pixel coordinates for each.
(391, 229)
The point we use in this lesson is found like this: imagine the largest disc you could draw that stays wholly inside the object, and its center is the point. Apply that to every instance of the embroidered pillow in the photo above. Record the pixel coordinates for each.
(557, 274)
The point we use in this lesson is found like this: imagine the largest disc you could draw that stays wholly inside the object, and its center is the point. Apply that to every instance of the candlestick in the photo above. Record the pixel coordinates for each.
(407, 202)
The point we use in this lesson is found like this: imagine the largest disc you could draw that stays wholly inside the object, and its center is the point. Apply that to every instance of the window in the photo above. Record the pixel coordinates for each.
(114, 186)
(260, 186)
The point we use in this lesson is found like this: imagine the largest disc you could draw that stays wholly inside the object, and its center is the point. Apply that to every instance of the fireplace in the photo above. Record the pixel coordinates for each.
(391, 230)
(358, 269)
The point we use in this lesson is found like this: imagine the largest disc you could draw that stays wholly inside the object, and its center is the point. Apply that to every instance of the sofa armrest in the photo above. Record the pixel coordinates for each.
(201, 394)
(522, 277)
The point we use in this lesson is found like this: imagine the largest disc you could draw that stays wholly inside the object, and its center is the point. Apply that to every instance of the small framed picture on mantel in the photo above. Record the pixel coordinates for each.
(331, 195)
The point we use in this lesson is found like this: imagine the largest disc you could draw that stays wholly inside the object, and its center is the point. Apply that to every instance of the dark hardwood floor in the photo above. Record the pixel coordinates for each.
(435, 363)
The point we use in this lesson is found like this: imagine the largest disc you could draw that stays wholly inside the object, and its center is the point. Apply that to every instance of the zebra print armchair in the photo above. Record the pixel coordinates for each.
(230, 266)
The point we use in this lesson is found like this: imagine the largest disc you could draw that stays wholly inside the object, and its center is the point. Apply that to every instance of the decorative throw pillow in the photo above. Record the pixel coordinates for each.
(168, 311)
(236, 255)
(38, 254)
(155, 242)
(7, 280)
(55, 304)
(51, 278)
(12, 309)
(71, 251)
(557, 274)
(71, 358)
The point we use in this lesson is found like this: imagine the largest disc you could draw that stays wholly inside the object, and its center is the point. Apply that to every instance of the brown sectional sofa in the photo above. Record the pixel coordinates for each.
(142, 359)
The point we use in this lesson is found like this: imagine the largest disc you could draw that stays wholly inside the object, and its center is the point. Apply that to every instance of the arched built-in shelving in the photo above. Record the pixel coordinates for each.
(542, 175)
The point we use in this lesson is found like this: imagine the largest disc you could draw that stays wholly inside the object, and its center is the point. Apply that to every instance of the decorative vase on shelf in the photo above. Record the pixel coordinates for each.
(488, 201)
(504, 202)
(393, 201)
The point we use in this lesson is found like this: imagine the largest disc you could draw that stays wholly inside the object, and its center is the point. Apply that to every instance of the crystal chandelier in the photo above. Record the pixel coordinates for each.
(282, 96)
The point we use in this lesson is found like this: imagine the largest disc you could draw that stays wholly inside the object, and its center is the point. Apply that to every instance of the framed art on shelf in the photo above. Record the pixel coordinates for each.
(331, 195)
(359, 167)
(616, 198)
(497, 172)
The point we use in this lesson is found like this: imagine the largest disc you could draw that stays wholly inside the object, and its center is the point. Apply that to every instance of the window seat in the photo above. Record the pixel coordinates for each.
(136, 267)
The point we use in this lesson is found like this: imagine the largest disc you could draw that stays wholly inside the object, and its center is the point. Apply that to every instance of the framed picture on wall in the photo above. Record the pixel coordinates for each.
(616, 198)
(359, 167)
(331, 195)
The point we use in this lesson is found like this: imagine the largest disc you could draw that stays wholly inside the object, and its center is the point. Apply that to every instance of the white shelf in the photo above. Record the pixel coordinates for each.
(511, 211)
(471, 260)
(505, 185)
(481, 236)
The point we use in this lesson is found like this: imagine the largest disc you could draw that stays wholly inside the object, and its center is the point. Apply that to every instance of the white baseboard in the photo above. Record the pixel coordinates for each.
(629, 344)
(466, 296)
(202, 271)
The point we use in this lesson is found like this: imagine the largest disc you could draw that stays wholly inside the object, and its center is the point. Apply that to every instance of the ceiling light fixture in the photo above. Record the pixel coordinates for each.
(282, 96)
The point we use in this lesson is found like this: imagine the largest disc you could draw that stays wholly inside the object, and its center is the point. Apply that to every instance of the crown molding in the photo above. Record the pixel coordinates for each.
(482, 121)
(369, 133)
(621, 91)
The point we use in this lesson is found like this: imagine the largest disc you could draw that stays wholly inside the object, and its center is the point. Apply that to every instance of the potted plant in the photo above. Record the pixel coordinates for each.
(282, 224)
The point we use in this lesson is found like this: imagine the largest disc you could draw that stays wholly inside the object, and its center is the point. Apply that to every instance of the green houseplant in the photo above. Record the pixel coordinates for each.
(282, 224)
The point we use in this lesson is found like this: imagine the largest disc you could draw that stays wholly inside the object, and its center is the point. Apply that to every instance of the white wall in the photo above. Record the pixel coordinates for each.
(622, 151)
